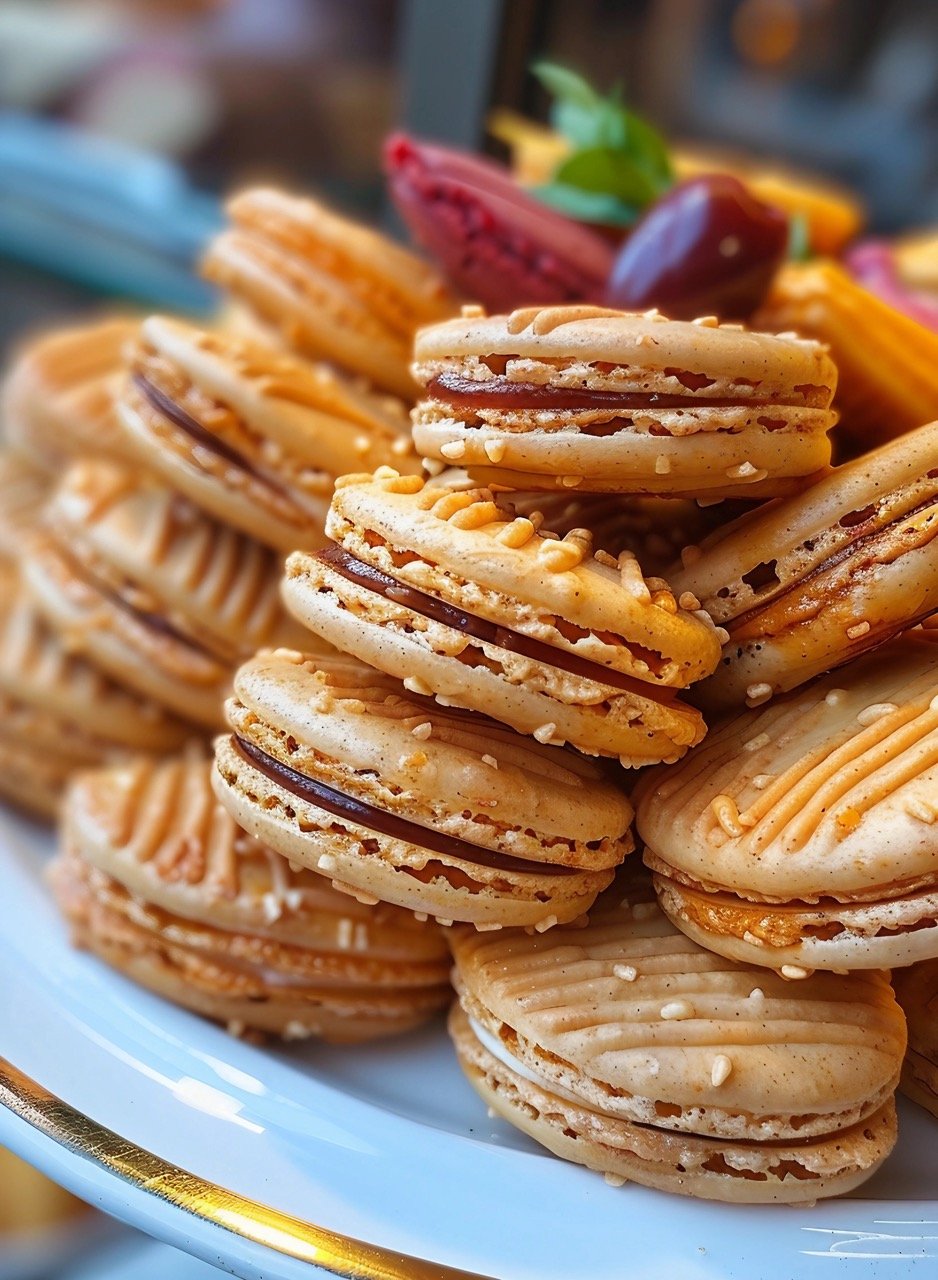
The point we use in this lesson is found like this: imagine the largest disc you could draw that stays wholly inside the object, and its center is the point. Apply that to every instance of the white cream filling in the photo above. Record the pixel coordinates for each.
(497, 1049)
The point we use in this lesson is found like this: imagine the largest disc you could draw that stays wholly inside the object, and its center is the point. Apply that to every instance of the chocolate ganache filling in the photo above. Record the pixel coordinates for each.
(384, 822)
(501, 393)
(366, 575)
(165, 405)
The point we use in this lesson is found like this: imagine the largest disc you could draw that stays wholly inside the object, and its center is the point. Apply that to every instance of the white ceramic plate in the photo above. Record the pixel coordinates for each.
(386, 1145)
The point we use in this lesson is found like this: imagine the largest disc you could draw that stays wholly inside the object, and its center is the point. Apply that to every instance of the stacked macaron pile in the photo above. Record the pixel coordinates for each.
(644, 595)
(193, 458)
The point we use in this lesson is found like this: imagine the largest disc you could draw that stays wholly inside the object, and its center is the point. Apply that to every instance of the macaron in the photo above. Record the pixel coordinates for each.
(810, 582)
(253, 436)
(391, 797)
(917, 993)
(579, 397)
(804, 834)
(57, 398)
(333, 289)
(158, 595)
(156, 879)
(59, 714)
(625, 1047)
(23, 492)
(456, 596)
(494, 243)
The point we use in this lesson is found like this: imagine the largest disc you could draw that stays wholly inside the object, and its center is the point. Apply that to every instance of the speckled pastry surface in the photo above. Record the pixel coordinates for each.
(254, 436)
(450, 592)
(805, 833)
(917, 993)
(586, 398)
(57, 398)
(334, 289)
(23, 492)
(161, 597)
(157, 879)
(813, 581)
(340, 769)
(624, 1046)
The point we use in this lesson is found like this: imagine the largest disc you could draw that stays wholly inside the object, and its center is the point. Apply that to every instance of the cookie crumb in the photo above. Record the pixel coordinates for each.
(490, 761)
(721, 1070)
(627, 972)
(687, 600)
(453, 449)
(921, 810)
(414, 684)
(794, 972)
(614, 1180)
(677, 1010)
(547, 923)
(858, 630)
(758, 693)
(545, 732)
(423, 730)
(875, 711)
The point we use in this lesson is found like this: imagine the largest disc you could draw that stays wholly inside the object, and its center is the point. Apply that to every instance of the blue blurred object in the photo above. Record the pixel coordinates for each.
(101, 214)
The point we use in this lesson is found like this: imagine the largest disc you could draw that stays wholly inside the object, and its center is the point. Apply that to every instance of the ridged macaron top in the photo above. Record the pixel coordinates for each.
(891, 493)
(167, 560)
(333, 288)
(462, 547)
(57, 399)
(23, 490)
(460, 773)
(37, 670)
(829, 792)
(634, 1019)
(586, 347)
(284, 414)
(159, 831)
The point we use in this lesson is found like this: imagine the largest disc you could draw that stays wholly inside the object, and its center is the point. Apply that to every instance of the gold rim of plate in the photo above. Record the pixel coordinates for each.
(329, 1250)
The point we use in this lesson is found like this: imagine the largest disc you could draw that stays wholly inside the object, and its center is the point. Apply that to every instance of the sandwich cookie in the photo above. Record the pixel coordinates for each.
(23, 493)
(253, 436)
(608, 401)
(157, 880)
(58, 397)
(341, 770)
(57, 713)
(333, 289)
(804, 835)
(812, 581)
(458, 597)
(152, 591)
(917, 993)
(624, 1047)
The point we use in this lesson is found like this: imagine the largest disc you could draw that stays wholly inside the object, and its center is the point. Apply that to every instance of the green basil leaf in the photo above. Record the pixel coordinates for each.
(580, 125)
(649, 148)
(566, 85)
(611, 172)
(799, 238)
(587, 206)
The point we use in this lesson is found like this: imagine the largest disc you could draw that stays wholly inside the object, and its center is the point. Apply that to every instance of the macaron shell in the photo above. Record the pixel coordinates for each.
(917, 993)
(38, 671)
(628, 1012)
(178, 675)
(649, 351)
(532, 697)
(207, 580)
(335, 290)
(23, 492)
(825, 575)
(57, 399)
(459, 546)
(827, 794)
(158, 880)
(684, 1163)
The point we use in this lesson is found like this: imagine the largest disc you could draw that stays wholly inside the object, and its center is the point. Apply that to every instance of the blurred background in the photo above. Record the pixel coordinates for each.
(122, 122)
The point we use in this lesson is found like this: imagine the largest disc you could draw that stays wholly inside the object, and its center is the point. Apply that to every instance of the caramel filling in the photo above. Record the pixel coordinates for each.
(502, 393)
(486, 632)
(385, 823)
(166, 406)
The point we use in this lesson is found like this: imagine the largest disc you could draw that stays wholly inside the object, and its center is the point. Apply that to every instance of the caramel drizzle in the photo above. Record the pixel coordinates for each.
(383, 822)
(486, 632)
